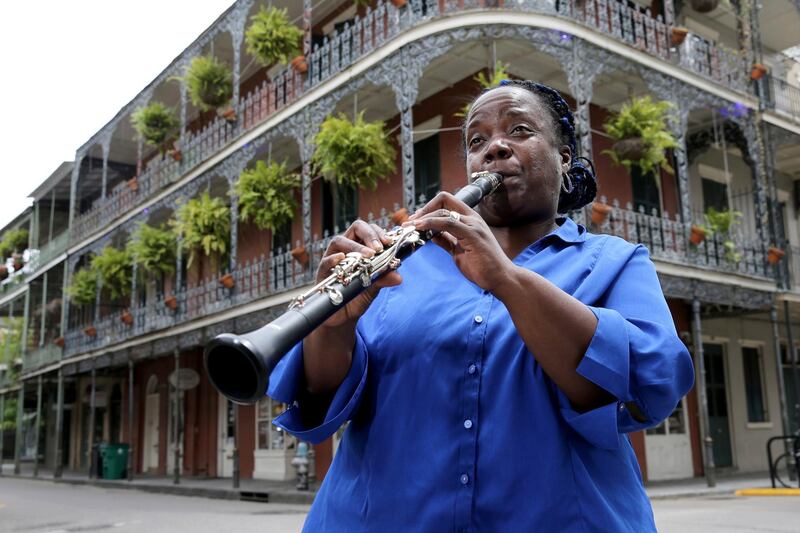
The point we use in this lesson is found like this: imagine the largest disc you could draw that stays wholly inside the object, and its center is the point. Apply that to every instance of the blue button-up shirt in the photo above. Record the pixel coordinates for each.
(456, 427)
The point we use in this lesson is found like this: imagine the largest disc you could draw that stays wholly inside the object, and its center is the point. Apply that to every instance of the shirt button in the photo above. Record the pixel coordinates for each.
(478, 319)
(622, 407)
(467, 423)
(464, 479)
(472, 369)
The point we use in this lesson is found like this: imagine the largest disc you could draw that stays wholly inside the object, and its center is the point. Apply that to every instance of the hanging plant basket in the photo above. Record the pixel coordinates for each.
(171, 302)
(698, 235)
(59, 341)
(758, 71)
(175, 154)
(18, 262)
(633, 148)
(300, 65)
(90, 331)
(133, 184)
(678, 35)
(3, 272)
(300, 255)
(126, 317)
(600, 212)
(155, 123)
(399, 216)
(227, 281)
(704, 6)
(209, 82)
(774, 255)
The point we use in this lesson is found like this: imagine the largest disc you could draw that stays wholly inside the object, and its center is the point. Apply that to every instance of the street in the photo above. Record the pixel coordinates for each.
(45, 507)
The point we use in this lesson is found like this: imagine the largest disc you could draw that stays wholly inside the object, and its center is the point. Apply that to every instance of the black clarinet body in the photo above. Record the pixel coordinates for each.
(239, 366)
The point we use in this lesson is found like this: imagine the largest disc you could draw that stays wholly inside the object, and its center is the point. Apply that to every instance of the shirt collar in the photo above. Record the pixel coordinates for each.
(568, 231)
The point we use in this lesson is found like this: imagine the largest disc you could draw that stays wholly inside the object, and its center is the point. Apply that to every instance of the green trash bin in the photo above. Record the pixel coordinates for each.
(114, 460)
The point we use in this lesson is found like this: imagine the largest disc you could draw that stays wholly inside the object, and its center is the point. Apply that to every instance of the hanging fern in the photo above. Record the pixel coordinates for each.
(155, 123)
(153, 249)
(354, 154)
(83, 287)
(499, 73)
(115, 269)
(204, 223)
(271, 37)
(266, 195)
(209, 82)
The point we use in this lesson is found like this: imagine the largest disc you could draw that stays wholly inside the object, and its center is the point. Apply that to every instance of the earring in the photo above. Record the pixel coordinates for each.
(564, 180)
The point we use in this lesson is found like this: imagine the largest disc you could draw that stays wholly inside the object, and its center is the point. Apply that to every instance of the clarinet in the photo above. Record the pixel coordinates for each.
(239, 366)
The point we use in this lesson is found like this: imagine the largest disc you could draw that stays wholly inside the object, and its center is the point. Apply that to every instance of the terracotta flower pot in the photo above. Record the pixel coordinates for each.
(3, 272)
(133, 184)
(300, 255)
(704, 6)
(632, 148)
(91, 331)
(126, 317)
(678, 35)
(228, 114)
(600, 212)
(227, 281)
(774, 255)
(758, 71)
(300, 65)
(399, 3)
(59, 341)
(698, 235)
(171, 302)
(399, 216)
(175, 154)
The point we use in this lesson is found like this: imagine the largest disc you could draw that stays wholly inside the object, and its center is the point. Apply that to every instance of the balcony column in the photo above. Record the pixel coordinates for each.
(73, 189)
(306, 151)
(580, 76)
(52, 216)
(776, 348)
(753, 159)
(178, 272)
(405, 84)
(97, 296)
(139, 150)
(700, 383)
(57, 462)
(90, 444)
(131, 438)
(176, 420)
(18, 440)
(24, 343)
(64, 301)
(182, 134)
(43, 323)
(134, 296)
(2, 423)
(38, 424)
(234, 248)
(34, 227)
(669, 12)
(106, 145)
(237, 29)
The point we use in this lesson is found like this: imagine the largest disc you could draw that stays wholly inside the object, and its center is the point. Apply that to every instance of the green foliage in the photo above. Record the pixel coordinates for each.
(271, 37)
(5, 250)
(115, 269)
(209, 82)
(8, 420)
(11, 342)
(499, 73)
(15, 240)
(83, 287)
(155, 123)
(643, 118)
(204, 223)
(153, 249)
(266, 195)
(720, 223)
(353, 154)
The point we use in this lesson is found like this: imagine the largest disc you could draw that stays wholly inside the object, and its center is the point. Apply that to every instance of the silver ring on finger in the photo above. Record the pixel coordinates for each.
(454, 216)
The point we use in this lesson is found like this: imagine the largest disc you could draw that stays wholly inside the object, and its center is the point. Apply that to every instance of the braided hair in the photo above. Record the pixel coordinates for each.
(581, 173)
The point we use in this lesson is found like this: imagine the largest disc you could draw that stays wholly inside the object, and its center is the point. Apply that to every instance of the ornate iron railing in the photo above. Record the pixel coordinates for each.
(784, 97)
(635, 26)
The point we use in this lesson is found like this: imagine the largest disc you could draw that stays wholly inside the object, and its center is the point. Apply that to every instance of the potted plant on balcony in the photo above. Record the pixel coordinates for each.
(698, 234)
(272, 38)
(155, 123)
(757, 71)
(3, 271)
(115, 268)
(678, 35)
(719, 225)
(17, 239)
(641, 135)
(209, 83)
(204, 224)
(704, 6)
(600, 212)
(82, 289)
(774, 255)
(266, 195)
(354, 154)
(499, 73)
(153, 249)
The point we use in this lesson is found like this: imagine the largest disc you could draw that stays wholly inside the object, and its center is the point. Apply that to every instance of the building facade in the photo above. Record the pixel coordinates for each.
(129, 369)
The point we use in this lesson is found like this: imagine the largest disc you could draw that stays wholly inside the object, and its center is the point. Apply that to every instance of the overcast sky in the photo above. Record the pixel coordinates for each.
(68, 66)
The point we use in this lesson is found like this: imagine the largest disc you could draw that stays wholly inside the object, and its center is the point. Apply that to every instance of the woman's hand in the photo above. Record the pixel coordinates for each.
(467, 237)
(366, 239)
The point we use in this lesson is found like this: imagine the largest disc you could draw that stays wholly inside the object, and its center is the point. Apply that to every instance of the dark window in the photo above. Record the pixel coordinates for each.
(645, 191)
(339, 206)
(756, 410)
(715, 194)
(426, 167)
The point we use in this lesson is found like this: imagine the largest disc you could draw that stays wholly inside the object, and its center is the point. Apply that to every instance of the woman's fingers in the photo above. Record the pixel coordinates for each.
(447, 241)
(443, 200)
(369, 234)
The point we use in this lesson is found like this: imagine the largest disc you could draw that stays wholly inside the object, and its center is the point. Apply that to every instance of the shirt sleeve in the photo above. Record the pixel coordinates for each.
(635, 355)
(310, 418)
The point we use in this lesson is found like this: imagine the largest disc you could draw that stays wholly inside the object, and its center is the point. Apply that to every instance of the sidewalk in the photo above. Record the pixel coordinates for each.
(285, 491)
(218, 488)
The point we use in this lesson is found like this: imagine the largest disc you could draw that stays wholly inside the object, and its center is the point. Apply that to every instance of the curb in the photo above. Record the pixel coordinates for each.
(183, 490)
(768, 492)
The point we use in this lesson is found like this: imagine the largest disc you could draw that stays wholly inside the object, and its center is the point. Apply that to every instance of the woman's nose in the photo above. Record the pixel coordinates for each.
(497, 149)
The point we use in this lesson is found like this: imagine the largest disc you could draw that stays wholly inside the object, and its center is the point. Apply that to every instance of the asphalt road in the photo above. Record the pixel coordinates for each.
(44, 507)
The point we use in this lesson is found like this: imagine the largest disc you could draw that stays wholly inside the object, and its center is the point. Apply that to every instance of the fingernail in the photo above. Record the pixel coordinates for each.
(377, 245)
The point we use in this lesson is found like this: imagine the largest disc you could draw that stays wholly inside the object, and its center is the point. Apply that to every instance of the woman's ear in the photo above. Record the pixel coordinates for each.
(566, 158)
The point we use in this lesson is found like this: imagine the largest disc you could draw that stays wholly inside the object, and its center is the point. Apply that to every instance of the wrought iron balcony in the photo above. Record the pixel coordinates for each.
(617, 19)
(41, 356)
(49, 251)
(784, 97)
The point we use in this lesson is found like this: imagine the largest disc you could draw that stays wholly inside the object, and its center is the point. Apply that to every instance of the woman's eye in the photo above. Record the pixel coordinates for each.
(523, 129)
(474, 141)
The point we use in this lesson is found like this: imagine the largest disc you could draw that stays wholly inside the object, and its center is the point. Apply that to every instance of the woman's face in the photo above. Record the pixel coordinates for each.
(510, 131)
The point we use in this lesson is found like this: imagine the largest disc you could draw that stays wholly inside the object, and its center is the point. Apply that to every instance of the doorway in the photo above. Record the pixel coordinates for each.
(151, 422)
(716, 391)
(227, 428)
